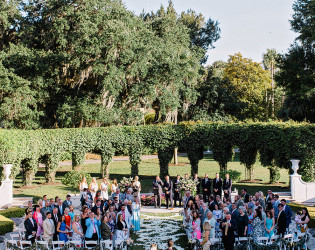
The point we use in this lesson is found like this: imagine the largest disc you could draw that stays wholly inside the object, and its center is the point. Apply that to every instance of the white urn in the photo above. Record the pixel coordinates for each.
(7, 171)
(295, 166)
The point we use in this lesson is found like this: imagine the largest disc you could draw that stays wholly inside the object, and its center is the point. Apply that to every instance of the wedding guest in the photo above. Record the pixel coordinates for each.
(106, 232)
(129, 196)
(269, 196)
(98, 205)
(92, 231)
(250, 216)
(204, 211)
(29, 207)
(206, 188)
(77, 230)
(269, 225)
(228, 227)
(122, 228)
(55, 219)
(177, 194)
(217, 214)
(217, 185)
(40, 203)
(281, 221)
(83, 185)
(39, 220)
(305, 219)
(93, 187)
(245, 195)
(206, 243)
(45, 209)
(67, 219)
(104, 188)
(258, 197)
(111, 218)
(275, 205)
(242, 223)
(117, 194)
(235, 213)
(239, 202)
(30, 227)
(188, 198)
(196, 229)
(288, 212)
(212, 222)
(170, 245)
(67, 202)
(227, 186)
(84, 217)
(135, 220)
(168, 189)
(211, 203)
(61, 229)
(71, 212)
(59, 206)
(114, 186)
(44, 200)
(197, 181)
(52, 204)
(157, 190)
(257, 232)
(49, 228)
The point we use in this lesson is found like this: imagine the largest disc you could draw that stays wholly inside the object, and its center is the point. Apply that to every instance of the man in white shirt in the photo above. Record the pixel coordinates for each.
(49, 228)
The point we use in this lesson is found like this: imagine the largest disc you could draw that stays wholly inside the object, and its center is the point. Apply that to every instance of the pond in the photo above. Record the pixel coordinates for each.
(159, 231)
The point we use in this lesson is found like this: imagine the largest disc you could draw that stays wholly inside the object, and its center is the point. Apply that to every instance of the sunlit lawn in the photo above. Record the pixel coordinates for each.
(147, 170)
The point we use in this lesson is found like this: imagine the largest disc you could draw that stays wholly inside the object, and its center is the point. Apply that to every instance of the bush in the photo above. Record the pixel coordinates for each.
(6, 225)
(14, 212)
(73, 178)
(234, 175)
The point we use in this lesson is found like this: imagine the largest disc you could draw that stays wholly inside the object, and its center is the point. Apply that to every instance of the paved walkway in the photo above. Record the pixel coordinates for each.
(162, 210)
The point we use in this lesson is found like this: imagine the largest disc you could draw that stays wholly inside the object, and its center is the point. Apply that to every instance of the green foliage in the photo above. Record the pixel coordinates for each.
(13, 212)
(234, 175)
(6, 225)
(73, 178)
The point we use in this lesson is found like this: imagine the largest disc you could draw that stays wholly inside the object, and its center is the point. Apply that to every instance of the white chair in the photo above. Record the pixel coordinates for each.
(90, 244)
(288, 237)
(25, 243)
(263, 240)
(119, 244)
(43, 243)
(243, 239)
(15, 236)
(58, 244)
(22, 233)
(106, 244)
(11, 242)
(74, 242)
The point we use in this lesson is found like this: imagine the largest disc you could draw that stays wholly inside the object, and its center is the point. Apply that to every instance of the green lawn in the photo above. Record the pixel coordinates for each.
(147, 170)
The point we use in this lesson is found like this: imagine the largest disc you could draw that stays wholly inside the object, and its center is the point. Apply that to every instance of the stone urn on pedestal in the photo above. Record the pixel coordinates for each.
(6, 188)
(7, 171)
(295, 166)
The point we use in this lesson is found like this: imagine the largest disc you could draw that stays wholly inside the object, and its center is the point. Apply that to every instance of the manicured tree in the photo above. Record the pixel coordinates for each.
(78, 159)
(29, 167)
(51, 162)
(165, 156)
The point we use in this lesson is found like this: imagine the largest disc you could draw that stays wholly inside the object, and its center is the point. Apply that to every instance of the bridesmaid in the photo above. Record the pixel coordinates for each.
(93, 187)
(83, 185)
(39, 220)
(135, 220)
(269, 224)
(114, 186)
(104, 188)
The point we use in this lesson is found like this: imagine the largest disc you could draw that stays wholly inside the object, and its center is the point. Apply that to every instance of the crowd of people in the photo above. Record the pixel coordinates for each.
(102, 216)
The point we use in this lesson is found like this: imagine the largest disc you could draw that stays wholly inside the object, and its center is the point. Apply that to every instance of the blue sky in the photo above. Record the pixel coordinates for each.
(247, 26)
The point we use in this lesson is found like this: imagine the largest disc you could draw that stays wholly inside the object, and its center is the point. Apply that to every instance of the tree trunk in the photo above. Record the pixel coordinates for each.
(175, 156)
(250, 173)
(272, 92)
(50, 176)
(106, 158)
(78, 159)
(194, 168)
(134, 170)
(165, 156)
(223, 167)
(274, 174)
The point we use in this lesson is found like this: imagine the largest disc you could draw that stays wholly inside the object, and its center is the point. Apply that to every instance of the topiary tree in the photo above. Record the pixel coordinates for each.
(165, 156)
(73, 178)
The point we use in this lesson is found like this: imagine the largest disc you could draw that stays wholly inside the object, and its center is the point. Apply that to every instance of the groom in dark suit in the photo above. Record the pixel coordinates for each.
(177, 194)
(168, 189)
(157, 190)
(206, 188)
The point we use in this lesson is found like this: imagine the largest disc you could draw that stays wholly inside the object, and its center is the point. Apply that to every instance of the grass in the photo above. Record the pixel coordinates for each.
(148, 169)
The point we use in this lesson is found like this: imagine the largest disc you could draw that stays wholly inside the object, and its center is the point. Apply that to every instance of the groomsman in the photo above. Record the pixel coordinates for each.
(177, 194)
(197, 180)
(217, 185)
(157, 190)
(168, 189)
(227, 186)
(206, 188)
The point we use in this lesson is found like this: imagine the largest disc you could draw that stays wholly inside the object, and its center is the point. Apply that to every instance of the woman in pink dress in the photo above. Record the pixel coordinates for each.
(196, 229)
(39, 220)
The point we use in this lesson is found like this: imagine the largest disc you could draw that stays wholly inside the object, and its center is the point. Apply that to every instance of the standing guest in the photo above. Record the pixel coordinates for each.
(206, 188)
(225, 211)
(44, 200)
(281, 221)
(257, 232)
(212, 221)
(305, 219)
(71, 212)
(235, 213)
(198, 201)
(203, 212)
(197, 182)
(177, 194)
(269, 224)
(111, 218)
(77, 230)
(114, 186)
(211, 203)
(52, 204)
(39, 220)
(62, 229)
(251, 203)
(106, 232)
(250, 221)
(59, 206)
(229, 204)
(84, 217)
(228, 227)
(122, 228)
(30, 227)
(129, 196)
(275, 205)
(196, 229)
(217, 214)
(170, 245)
(245, 195)
(239, 202)
(269, 196)
(288, 212)
(40, 203)
(67, 219)
(45, 209)
(49, 228)
(104, 188)
(67, 202)
(97, 206)
(83, 185)
(217, 185)
(117, 204)
(168, 189)
(117, 194)
(135, 220)
(218, 200)
(157, 190)
(129, 206)
(93, 187)
(29, 207)
(136, 187)
(242, 222)
(92, 227)
(227, 186)
(206, 243)
(188, 198)
(258, 197)
(55, 219)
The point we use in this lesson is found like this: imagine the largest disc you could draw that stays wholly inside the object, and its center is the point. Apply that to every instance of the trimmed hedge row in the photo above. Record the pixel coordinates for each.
(275, 143)
(13, 212)
(6, 225)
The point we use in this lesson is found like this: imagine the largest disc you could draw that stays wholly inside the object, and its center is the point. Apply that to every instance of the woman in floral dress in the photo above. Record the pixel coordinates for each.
(217, 214)
(196, 229)
(111, 216)
(257, 231)
(77, 230)
(39, 220)
(250, 221)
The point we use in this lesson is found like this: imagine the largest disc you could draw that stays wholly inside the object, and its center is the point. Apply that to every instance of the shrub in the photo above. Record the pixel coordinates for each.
(12, 212)
(6, 225)
(73, 178)
(234, 175)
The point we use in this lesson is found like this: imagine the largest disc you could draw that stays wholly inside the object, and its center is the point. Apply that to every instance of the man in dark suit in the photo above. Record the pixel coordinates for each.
(235, 213)
(45, 209)
(288, 212)
(55, 218)
(188, 198)
(227, 186)
(29, 207)
(206, 188)
(281, 222)
(228, 227)
(197, 180)
(245, 195)
(177, 194)
(217, 185)
(30, 227)
(66, 203)
(59, 206)
(211, 203)
(157, 190)
(117, 204)
(96, 206)
(168, 189)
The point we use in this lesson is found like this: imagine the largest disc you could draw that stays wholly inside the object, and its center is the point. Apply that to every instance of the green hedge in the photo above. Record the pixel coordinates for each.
(6, 225)
(12, 212)
(275, 143)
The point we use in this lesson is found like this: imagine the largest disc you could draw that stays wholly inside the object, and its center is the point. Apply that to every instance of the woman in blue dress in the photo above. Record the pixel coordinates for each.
(135, 220)
(269, 225)
(61, 229)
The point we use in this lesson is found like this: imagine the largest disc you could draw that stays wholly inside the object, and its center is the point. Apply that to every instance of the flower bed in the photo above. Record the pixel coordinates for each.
(148, 199)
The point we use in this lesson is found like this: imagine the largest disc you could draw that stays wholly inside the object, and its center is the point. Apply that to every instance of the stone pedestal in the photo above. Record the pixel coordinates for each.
(6, 188)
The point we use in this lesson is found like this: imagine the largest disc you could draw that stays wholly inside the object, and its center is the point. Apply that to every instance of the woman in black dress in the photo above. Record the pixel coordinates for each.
(242, 222)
